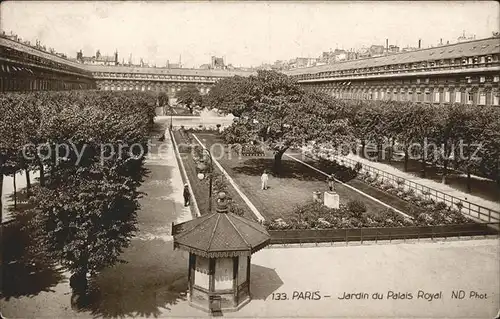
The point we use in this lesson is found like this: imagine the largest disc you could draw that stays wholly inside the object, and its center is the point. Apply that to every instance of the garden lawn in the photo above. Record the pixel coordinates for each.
(294, 186)
(200, 188)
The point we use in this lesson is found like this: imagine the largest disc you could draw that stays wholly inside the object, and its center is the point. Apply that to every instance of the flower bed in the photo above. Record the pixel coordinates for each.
(425, 208)
(315, 215)
(196, 161)
(425, 211)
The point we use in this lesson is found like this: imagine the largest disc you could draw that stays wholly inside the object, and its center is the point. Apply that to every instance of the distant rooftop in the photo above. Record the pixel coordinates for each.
(458, 50)
(165, 71)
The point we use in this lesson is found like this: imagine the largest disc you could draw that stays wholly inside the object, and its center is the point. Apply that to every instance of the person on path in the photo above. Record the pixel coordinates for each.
(187, 195)
(264, 179)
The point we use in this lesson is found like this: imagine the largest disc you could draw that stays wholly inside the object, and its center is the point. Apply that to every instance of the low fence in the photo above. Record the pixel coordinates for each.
(304, 236)
(473, 210)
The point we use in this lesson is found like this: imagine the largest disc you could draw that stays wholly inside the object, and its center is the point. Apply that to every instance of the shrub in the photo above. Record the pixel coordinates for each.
(184, 148)
(344, 173)
(356, 207)
(400, 182)
(358, 167)
(236, 209)
(441, 206)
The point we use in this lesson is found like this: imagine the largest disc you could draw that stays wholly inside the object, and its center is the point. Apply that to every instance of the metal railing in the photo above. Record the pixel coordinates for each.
(473, 210)
(317, 236)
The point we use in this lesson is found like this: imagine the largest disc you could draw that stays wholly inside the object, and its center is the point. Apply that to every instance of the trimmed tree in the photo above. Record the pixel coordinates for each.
(189, 96)
(275, 110)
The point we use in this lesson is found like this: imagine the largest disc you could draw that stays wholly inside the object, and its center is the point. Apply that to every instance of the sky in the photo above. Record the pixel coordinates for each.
(244, 33)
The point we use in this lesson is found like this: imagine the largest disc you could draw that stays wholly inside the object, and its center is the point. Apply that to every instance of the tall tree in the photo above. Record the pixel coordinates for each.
(477, 140)
(189, 96)
(273, 108)
(450, 119)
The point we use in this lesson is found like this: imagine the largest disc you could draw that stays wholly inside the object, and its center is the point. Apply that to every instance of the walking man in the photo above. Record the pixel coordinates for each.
(187, 195)
(264, 179)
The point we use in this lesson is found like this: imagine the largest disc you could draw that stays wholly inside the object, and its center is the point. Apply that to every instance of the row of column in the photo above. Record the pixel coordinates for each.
(447, 95)
(40, 84)
(169, 88)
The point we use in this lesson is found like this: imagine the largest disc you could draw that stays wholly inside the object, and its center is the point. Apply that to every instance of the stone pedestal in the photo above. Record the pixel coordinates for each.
(332, 200)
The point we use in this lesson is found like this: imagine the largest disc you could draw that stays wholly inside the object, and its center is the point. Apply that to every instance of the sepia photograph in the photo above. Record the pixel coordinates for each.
(249, 159)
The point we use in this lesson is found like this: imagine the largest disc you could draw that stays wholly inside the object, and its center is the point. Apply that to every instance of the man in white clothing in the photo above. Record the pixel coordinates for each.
(264, 178)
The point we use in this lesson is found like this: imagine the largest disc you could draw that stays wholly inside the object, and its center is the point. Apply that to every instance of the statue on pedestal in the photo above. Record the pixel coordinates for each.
(331, 183)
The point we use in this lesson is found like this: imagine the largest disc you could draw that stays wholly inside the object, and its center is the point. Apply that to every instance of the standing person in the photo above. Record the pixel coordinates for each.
(264, 179)
(187, 195)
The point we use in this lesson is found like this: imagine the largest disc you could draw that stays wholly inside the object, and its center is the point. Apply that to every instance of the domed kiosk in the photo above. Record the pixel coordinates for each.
(220, 246)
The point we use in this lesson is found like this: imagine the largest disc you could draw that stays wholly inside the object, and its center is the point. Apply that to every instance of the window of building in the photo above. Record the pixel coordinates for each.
(483, 59)
(382, 95)
(482, 98)
(469, 79)
(447, 96)
(427, 80)
(427, 97)
(436, 97)
(418, 81)
(496, 99)
(420, 97)
(482, 79)
(496, 78)
(458, 97)
(470, 97)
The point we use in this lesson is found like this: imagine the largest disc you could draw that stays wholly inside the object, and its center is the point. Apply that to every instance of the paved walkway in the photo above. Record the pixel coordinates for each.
(8, 190)
(153, 277)
(439, 267)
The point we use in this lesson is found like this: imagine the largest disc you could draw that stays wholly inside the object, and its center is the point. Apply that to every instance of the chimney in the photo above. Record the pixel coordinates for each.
(419, 43)
(387, 45)
(441, 41)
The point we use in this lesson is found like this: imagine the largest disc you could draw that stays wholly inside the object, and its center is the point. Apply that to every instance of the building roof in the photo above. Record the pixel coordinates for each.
(166, 71)
(452, 51)
(220, 234)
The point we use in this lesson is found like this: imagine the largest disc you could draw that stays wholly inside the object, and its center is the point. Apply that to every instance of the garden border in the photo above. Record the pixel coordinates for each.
(250, 205)
(184, 176)
(316, 236)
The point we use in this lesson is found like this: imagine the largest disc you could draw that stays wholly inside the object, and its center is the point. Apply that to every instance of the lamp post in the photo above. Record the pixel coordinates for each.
(202, 175)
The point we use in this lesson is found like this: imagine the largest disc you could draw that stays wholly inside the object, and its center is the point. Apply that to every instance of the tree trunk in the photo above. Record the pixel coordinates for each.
(277, 160)
(445, 171)
(28, 183)
(41, 170)
(469, 188)
(15, 191)
(79, 286)
(424, 163)
(391, 150)
(406, 160)
(379, 152)
(1, 203)
(363, 146)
